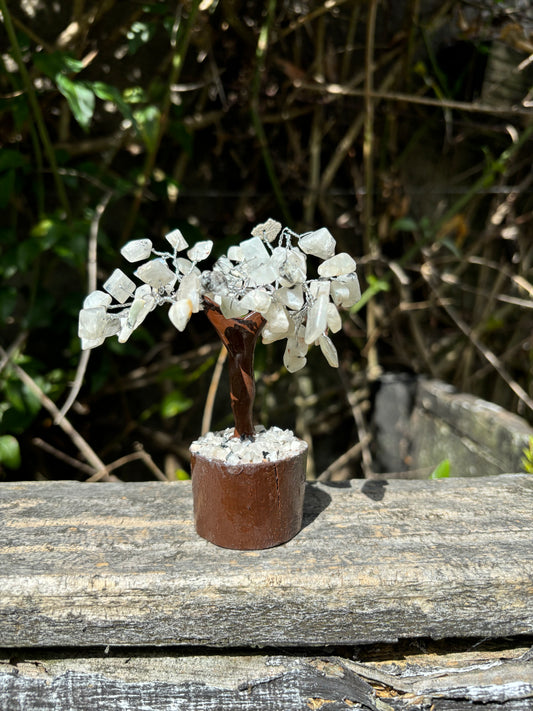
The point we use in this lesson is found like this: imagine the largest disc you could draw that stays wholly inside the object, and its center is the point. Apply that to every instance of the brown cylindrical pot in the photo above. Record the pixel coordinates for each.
(248, 506)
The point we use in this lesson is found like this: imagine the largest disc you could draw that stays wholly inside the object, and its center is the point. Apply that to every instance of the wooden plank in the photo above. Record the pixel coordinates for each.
(501, 679)
(120, 564)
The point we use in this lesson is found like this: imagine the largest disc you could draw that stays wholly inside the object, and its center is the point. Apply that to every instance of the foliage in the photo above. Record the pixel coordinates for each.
(441, 471)
(121, 120)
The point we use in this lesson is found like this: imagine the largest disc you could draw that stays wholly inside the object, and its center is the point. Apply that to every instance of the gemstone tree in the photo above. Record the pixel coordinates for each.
(259, 288)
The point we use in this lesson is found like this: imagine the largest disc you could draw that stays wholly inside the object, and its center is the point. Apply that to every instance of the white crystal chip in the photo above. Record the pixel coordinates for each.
(272, 445)
(334, 318)
(338, 265)
(176, 240)
(317, 316)
(329, 350)
(257, 300)
(200, 251)
(189, 288)
(156, 273)
(291, 298)
(95, 325)
(120, 286)
(345, 290)
(277, 320)
(290, 265)
(256, 264)
(180, 313)
(136, 250)
(268, 230)
(97, 298)
(320, 243)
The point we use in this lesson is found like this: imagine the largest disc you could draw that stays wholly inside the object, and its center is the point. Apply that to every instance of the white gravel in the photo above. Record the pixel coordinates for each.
(270, 445)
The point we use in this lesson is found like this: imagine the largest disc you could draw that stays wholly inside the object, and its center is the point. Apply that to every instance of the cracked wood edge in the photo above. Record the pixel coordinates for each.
(133, 681)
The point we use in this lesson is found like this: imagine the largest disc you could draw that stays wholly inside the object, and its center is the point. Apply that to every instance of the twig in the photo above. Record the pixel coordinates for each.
(87, 451)
(353, 453)
(58, 454)
(348, 44)
(473, 107)
(212, 392)
(126, 459)
(328, 6)
(364, 437)
(369, 241)
(19, 340)
(91, 286)
(430, 275)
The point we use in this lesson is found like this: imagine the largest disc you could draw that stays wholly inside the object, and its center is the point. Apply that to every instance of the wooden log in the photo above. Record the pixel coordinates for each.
(135, 681)
(120, 564)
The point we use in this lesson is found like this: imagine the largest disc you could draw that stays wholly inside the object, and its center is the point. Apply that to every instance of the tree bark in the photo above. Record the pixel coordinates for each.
(239, 336)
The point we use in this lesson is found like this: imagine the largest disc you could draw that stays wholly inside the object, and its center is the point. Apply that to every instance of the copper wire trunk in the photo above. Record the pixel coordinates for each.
(248, 506)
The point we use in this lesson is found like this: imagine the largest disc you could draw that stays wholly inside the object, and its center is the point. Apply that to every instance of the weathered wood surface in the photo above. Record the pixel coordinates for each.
(120, 564)
(501, 679)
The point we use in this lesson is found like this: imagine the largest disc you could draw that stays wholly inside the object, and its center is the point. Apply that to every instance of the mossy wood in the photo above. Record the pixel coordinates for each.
(120, 564)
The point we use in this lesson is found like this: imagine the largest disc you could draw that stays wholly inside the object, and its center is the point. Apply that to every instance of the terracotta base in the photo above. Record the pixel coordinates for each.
(248, 506)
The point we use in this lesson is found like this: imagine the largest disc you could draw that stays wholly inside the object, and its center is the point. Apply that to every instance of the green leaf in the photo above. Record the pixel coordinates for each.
(55, 63)
(182, 475)
(405, 224)
(9, 452)
(441, 471)
(80, 99)
(106, 92)
(375, 285)
(175, 403)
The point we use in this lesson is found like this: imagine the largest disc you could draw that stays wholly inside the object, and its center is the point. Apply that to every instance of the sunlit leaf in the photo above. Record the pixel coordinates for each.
(9, 452)
(80, 99)
(175, 403)
(441, 471)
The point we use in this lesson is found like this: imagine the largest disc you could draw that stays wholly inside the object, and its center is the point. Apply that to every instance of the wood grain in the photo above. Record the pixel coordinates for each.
(501, 679)
(120, 564)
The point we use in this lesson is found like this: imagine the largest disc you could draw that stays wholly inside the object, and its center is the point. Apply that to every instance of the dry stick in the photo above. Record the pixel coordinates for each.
(370, 246)
(91, 286)
(58, 454)
(429, 275)
(328, 6)
(213, 388)
(364, 436)
(349, 137)
(383, 94)
(126, 459)
(350, 37)
(315, 139)
(19, 340)
(89, 454)
(345, 459)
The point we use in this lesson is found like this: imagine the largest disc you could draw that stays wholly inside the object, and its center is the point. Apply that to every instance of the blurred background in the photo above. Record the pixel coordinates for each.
(403, 126)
